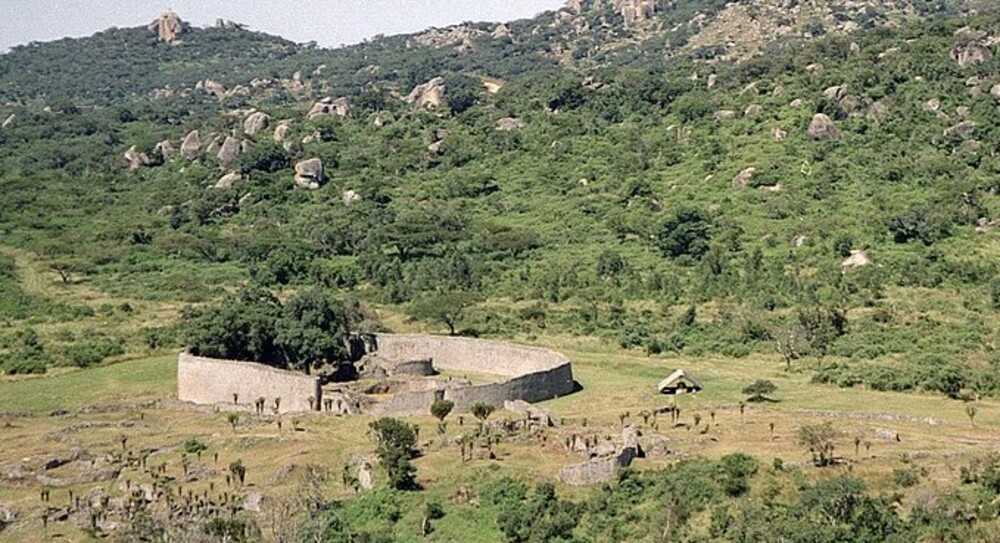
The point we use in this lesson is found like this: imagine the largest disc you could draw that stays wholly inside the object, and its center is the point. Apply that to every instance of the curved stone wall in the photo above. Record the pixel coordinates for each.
(531, 374)
(534, 374)
(213, 381)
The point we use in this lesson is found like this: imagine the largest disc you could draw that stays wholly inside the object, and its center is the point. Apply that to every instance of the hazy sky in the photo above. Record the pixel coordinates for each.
(328, 22)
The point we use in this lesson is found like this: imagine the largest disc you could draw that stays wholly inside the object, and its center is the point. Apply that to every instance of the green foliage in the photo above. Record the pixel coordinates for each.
(759, 390)
(29, 357)
(482, 411)
(686, 233)
(446, 308)
(193, 446)
(440, 409)
(819, 440)
(396, 443)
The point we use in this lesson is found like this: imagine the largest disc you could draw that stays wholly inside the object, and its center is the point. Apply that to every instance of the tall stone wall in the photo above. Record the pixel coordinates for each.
(212, 381)
(534, 374)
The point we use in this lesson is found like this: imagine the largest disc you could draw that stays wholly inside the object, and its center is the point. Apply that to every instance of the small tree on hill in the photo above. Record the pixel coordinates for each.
(759, 390)
(818, 440)
(441, 409)
(396, 443)
(482, 411)
(446, 308)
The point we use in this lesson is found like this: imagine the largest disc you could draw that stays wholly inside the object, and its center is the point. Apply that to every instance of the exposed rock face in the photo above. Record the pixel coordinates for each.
(610, 459)
(167, 26)
(309, 174)
(227, 181)
(634, 11)
(743, 179)
(340, 107)
(255, 123)
(962, 131)
(229, 152)
(165, 149)
(501, 31)
(7, 515)
(9, 122)
(349, 197)
(429, 95)
(212, 87)
(969, 48)
(191, 146)
(508, 124)
(823, 128)
(136, 159)
(857, 259)
(281, 131)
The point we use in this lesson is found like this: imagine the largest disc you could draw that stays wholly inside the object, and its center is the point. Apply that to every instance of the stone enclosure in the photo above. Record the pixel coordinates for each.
(405, 364)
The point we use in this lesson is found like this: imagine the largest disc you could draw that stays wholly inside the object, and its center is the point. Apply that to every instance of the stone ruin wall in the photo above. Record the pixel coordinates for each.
(203, 380)
(535, 374)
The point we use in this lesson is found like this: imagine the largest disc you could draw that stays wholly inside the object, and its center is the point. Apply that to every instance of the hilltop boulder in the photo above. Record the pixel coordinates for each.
(428, 95)
(309, 174)
(167, 26)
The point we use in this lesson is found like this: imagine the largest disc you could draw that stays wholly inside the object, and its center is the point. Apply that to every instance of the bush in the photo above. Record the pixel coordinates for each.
(89, 353)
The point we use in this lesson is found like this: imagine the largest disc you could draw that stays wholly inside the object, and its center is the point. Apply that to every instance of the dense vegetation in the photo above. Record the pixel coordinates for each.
(654, 245)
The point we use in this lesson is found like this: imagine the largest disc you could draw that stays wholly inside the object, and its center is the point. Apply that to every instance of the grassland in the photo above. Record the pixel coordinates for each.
(134, 399)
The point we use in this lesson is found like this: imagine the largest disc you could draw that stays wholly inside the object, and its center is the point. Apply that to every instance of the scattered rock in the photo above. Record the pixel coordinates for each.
(341, 107)
(8, 515)
(501, 31)
(743, 179)
(366, 477)
(796, 103)
(229, 152)
(136, 159)
(9, 122)
(836, 93)
(167, 26)
(255, 123)
(212, 87)
(281, 131)
(858, 259)
(349, 197)
(778, 134)
(535, 414)
(753, 110)
(823, 128)
(799, 241)
(712, 80)
(961, 131)
(309, 174)
(970, 54)
(994, 92)
(428, 95)
(984, 225)
(191, 146)
(508, 124)
(932, 106)
(165, 149)
(725, 114)
(253, 502)
(227, 181)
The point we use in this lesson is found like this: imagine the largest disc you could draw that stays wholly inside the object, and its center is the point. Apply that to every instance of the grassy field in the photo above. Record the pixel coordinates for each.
(107, 403)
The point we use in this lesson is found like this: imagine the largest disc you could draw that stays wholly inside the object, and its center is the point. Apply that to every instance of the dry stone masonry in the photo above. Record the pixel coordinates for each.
(524, 374)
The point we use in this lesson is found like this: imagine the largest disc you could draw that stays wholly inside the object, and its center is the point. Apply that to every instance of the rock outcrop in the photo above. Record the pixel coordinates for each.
(341, 107)
(743, 179)
(167, 26)
(212, 87)
(429, 95)
(309, 174)
(228, 181)
(822, 127)
(137, 159)
(191, 146)
(858, 259)
(281, 131)
(165, 149)
(255, 123)
(508, 124)
(969, 49)
(229, 152)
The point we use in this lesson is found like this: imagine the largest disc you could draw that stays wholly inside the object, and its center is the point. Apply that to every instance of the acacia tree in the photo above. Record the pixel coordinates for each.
(446, 308)
(759, 390)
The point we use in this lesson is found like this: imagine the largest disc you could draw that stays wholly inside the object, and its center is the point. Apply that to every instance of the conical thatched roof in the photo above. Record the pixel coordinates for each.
(677, 378)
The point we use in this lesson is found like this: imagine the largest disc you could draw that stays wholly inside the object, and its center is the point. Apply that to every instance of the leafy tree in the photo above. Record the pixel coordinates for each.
(265, 157)
(445, 307)
(759, 390)
(482, 411)
(313, 330)
(440, 409)
(686, 233)
(395, 443)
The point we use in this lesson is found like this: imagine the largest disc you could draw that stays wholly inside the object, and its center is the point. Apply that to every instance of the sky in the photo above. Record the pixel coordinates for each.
(328, 22)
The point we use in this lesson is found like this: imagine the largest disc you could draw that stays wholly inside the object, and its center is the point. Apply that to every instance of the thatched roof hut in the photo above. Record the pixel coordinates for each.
(679, 382)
